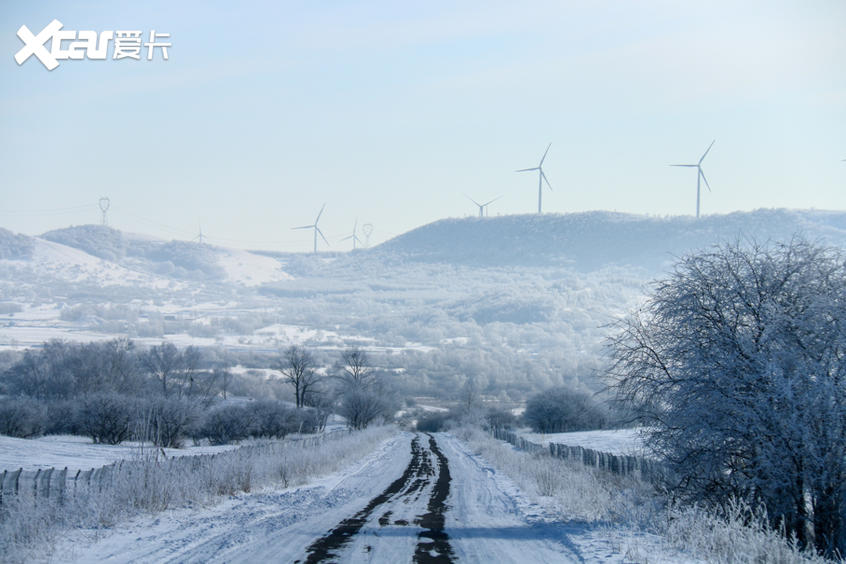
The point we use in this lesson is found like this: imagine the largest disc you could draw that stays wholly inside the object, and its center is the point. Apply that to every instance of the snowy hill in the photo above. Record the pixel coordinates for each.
(517, 302)
(180, 260)
(590, 240)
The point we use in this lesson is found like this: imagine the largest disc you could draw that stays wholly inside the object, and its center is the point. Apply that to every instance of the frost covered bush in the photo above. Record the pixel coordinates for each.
(259, 419)
(22, 417)
(62, 417)
(733, 532)
(107, 418)
(363, 407)
(496, 418)
(228, 423)
(737, 363)
(166, 422)
(562, 409)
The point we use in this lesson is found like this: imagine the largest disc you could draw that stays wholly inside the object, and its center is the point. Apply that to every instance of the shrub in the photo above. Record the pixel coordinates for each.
(106, 418)
(166, 421)
(228, 423)
(273, 419)
(560, 410)
(62, 417)
(21, 417)
(499, 419)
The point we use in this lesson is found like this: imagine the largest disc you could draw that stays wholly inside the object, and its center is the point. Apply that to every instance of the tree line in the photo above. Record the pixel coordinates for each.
(114, 391)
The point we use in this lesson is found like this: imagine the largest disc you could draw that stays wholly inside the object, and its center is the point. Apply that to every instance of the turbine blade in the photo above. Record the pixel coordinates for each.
(321, 235)
(526, 169)
(691, 166)
(304, 227)
(705, 179)
(544, 154)
(348, 237)
(705, 154)
(548, 185)
(491, 201)
(471, 199)
(319, 214)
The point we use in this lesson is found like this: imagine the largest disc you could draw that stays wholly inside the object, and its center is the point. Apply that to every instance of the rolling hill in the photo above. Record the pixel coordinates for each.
(591, 240)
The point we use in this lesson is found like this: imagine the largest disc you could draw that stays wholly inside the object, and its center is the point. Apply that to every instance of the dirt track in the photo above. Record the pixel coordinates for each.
(427, 470)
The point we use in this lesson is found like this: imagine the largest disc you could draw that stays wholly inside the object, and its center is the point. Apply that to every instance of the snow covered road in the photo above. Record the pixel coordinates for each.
(418, 498)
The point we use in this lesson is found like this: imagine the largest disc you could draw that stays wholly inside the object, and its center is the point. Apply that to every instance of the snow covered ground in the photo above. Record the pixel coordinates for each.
(415, 498)
(250, 269)
(78, 453)
(614, 441)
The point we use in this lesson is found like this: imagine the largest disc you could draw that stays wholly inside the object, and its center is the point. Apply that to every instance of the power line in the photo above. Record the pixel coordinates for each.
(50, 211)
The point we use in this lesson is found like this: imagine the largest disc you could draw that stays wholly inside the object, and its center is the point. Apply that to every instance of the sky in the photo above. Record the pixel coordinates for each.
(393, 113)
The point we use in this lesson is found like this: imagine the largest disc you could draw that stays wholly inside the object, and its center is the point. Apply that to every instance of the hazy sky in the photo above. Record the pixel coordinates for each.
(391, 111)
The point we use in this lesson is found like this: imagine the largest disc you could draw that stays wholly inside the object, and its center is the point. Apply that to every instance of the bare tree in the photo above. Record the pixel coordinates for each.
(188, 371)
(163, 361)
(297, 365)
(223, 378)
(363, 397)
(355, 371)
(121, 361)
(737, 366)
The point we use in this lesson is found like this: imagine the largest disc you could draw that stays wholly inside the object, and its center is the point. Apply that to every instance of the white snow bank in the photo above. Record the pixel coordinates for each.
(78, 453)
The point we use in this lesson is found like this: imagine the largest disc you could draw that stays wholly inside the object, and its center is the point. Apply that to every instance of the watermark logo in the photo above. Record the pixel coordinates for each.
(78, 45)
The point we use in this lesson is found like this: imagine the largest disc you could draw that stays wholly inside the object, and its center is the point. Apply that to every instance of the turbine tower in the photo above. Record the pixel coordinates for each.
(316, 228)
(367, 229)
(199, 237)
(104, 204)
(482, 207)
(354, 235)
(541, 177)
(699, 174)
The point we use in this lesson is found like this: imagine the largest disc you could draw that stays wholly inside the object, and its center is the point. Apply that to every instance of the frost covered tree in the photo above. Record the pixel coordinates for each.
(176, 370)
(736, 366)
(163, 362)
(354, 369)
(297, 365)
(363, 397)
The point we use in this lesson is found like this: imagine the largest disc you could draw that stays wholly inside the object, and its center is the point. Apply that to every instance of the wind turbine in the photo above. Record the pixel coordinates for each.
(354, 236)
(482, 211)
(699, 174)
(316, 228)
(541, 177)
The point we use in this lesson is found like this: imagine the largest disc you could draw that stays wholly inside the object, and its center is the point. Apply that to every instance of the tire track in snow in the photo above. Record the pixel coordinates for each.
(327, 547)
(437, 548)
(433, 544)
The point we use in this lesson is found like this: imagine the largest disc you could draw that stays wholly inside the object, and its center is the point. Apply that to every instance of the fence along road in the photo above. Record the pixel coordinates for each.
(58, 484)
(647, 469)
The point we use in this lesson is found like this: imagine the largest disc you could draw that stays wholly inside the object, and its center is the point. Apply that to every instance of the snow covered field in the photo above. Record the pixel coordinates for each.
(79, 453)
(614, 441)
